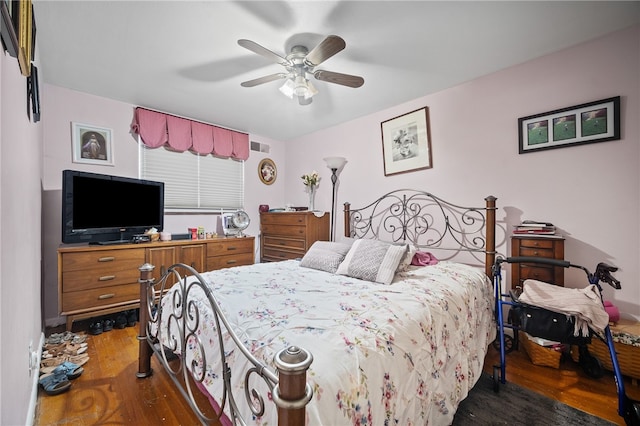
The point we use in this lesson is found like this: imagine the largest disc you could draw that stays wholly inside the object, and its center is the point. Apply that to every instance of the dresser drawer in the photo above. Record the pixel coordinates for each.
(225, 247)
(99, 297)
(285, 230)
(271, 255)
(283, 219)
(229, 260)
(105, 277)
(103, 260)
(284, 243)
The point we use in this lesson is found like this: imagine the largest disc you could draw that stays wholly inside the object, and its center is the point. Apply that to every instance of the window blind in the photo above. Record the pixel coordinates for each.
(193, 181)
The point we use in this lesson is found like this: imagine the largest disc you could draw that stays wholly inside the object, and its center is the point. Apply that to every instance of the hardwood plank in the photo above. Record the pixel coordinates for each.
(108, 392)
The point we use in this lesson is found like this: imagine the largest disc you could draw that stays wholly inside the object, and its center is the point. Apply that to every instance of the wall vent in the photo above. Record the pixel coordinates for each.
(259, 147)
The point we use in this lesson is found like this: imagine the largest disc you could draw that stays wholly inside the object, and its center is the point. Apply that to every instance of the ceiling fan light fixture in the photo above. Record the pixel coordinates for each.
(288, 88)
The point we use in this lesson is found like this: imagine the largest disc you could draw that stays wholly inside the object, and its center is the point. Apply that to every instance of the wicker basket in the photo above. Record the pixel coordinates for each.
(540, 355)
(628, 357)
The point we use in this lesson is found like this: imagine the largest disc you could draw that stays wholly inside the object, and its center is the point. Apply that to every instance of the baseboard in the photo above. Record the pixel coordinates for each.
(33, 401)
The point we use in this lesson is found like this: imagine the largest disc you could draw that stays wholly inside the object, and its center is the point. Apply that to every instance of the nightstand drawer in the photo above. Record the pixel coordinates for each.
(536, 273)
(536, 252)
(536, 243)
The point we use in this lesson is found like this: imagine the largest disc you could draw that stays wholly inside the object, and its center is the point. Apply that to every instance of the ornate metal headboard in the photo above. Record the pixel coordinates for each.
(423, 220)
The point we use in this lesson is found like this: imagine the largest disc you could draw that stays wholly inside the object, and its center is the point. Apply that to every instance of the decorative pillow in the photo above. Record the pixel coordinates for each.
(406, 260)
(372, 260)
(325, 256)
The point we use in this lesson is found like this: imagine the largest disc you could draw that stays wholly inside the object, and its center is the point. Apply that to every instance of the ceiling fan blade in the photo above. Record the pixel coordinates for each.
(262, 80)
(263, 51)
(338, 78)
(326, 49)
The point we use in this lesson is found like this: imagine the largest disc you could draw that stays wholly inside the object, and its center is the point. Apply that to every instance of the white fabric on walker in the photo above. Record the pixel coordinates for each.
(585, 304)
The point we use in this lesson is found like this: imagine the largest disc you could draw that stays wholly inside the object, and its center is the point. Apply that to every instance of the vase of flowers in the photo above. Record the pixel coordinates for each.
(311, 182)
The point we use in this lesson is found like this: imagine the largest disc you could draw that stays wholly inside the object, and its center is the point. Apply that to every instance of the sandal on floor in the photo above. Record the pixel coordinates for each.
(52, 362)
(55, 384)
(68, 369)
(75, 349)
(79, 360)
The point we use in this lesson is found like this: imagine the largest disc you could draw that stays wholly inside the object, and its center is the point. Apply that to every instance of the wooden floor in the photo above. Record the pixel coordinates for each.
(109, 393)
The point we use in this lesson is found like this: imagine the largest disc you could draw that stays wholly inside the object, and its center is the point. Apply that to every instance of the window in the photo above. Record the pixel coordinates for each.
(194, 182)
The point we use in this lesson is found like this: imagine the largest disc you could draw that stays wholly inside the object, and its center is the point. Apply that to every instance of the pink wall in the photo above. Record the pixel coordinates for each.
(20, 246)
(475, 154)
(590, 192)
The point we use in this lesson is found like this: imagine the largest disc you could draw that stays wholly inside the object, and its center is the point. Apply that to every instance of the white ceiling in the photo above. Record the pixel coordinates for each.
(182, 57)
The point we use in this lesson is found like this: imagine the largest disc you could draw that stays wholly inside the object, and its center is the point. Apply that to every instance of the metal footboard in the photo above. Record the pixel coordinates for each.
(288, 386)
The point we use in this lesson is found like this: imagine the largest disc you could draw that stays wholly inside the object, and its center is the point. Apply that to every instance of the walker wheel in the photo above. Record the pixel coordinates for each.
(634, 416)
(592, 366)
(508, 344)
(496, 378)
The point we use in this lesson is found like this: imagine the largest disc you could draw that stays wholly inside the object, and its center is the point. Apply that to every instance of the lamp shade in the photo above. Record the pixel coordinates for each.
(335, 162)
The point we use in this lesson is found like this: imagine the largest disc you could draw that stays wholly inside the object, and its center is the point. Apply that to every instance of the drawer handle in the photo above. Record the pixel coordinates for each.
(535, 253)
(106, 296)
(535, 244)
(107, 259)
(231, 248)
(231, 262)
(106, 278)
(193, 265)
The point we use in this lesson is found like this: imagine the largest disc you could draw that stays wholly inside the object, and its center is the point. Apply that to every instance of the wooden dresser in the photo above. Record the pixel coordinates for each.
(288, 235)
(551, 247)
(100, 280)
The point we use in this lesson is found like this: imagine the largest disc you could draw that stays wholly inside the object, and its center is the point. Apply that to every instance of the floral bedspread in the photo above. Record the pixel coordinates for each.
(405, 353)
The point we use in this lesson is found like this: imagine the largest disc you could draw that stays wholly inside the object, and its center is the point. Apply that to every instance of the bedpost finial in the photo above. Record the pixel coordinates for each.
(293, 358)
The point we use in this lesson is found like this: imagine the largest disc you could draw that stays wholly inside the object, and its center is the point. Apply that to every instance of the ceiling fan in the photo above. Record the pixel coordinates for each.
(300, 66)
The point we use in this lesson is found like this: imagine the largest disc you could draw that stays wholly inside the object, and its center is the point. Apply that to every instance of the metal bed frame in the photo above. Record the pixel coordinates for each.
(404, 216)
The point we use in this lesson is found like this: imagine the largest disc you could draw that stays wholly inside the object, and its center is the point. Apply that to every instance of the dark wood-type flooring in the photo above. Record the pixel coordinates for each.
(109, 393)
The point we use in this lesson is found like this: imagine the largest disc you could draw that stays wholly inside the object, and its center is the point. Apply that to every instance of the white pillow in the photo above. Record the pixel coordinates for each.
(405, 262)
(325, 256)
(372, 260)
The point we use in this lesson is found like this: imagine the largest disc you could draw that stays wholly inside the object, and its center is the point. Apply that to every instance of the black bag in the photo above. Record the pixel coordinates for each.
(539, 322)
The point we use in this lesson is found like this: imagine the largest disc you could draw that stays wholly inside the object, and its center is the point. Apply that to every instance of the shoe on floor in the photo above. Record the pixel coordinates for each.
(132, 318)
(70, 370)
(55, 384)
(107, 325)
(96, 328)
(121, 320)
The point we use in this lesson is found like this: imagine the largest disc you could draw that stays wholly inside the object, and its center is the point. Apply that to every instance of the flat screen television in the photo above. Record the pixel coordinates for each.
(104, 209)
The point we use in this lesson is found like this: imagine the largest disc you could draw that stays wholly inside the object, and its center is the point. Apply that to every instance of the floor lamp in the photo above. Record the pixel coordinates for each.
(335, 164)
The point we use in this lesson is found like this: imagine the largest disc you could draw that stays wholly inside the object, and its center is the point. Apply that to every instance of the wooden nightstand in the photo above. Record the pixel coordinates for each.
(550, 247)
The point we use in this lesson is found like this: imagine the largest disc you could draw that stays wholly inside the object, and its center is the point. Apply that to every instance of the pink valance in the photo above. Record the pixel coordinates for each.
(180, 134)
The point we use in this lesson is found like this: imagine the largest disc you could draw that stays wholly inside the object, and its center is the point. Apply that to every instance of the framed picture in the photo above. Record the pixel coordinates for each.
(33, 93)
(592, 122)
(9, 35)
(406, 142)
(267, 171)
(25, 45)
(91, 144)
